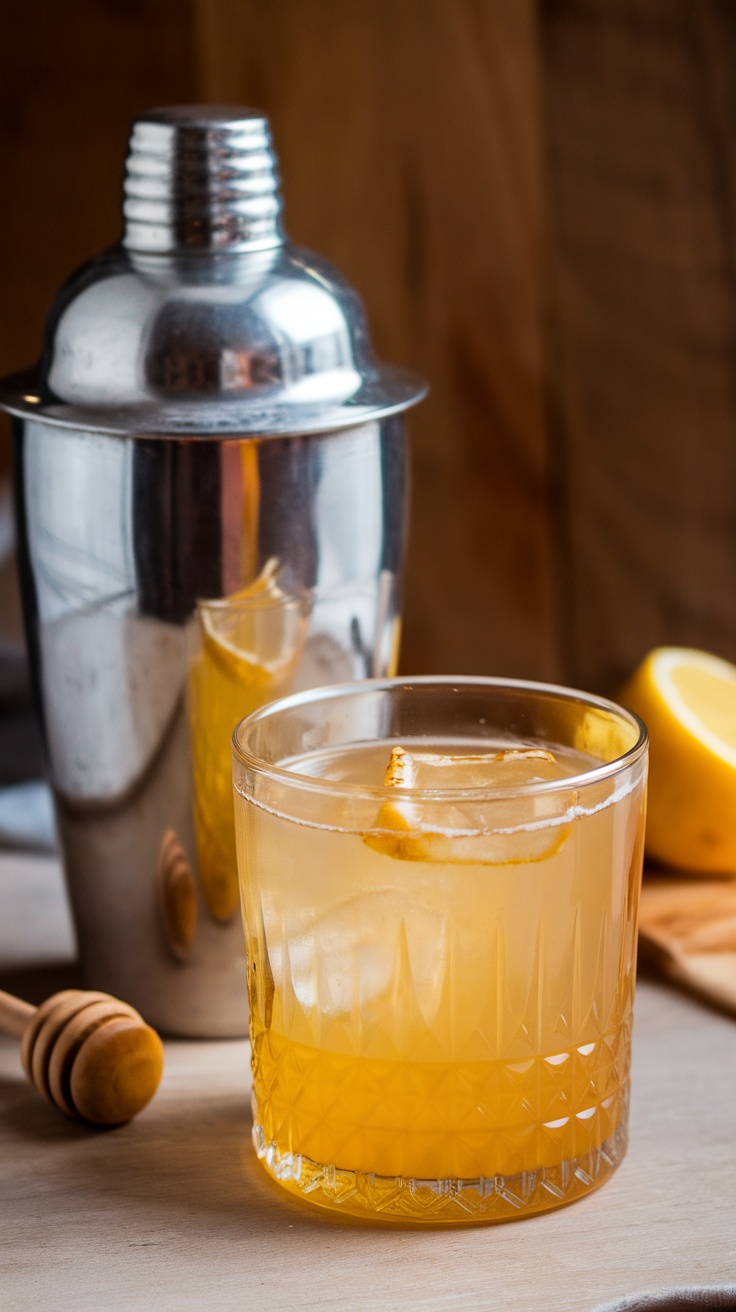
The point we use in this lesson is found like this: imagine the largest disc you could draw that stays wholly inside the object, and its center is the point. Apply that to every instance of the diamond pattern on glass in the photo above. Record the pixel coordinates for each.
(453, 1200)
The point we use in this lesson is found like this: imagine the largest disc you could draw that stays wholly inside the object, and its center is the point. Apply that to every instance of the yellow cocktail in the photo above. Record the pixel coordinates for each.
(441, 944)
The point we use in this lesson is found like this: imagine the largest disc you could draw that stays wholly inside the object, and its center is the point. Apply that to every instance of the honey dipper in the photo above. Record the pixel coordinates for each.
(91, 1055)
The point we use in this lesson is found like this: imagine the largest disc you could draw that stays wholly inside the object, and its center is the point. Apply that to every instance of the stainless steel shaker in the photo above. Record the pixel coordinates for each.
(207, 401)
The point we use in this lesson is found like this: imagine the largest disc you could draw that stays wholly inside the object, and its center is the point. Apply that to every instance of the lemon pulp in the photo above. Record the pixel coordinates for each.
(687, 699)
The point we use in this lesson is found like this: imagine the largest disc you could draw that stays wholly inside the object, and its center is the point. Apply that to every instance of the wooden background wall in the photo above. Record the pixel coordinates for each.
(640, 126)
(537, 202)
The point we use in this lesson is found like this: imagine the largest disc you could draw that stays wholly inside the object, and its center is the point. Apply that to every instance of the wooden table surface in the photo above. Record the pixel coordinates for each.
(173, 1211)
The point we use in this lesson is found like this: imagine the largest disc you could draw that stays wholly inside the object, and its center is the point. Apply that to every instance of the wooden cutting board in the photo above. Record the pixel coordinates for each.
(687, 928)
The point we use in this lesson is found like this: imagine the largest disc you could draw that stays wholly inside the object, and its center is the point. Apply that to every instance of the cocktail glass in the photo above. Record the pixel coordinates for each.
(439, 881)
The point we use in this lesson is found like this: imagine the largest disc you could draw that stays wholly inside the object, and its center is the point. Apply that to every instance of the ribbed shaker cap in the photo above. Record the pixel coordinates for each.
(207, 320)
(201, 177)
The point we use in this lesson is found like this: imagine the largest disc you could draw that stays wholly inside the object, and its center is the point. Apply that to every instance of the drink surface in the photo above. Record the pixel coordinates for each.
(446, 996)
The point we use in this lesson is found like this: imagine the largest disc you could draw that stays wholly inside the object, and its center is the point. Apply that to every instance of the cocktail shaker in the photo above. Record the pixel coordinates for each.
(207, 407)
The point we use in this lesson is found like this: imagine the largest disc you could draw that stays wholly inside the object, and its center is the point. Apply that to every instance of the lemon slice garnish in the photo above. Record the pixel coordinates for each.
(498, 831)
(687, 699)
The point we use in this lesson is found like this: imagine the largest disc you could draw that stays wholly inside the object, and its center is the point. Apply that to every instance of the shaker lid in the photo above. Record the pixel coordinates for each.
(205, 319)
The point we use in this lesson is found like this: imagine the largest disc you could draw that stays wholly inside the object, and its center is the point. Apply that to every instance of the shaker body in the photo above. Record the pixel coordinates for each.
(119, 538)
(207, 443)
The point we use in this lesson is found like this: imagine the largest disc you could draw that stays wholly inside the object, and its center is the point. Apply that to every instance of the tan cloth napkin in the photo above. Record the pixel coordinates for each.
(687, 928)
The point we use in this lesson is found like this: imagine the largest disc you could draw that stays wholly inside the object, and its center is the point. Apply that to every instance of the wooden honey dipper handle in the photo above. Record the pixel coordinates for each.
(90, 1054)
(14, 1015)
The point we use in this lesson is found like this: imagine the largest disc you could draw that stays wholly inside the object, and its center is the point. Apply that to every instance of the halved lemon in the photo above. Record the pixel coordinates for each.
(687, 699)
(472, 829)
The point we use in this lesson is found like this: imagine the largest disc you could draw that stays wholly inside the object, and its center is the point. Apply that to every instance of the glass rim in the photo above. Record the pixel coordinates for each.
(382, 792)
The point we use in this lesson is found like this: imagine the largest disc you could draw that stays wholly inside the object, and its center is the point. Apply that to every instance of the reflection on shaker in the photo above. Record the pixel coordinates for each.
(246, 648)
(177, 896)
